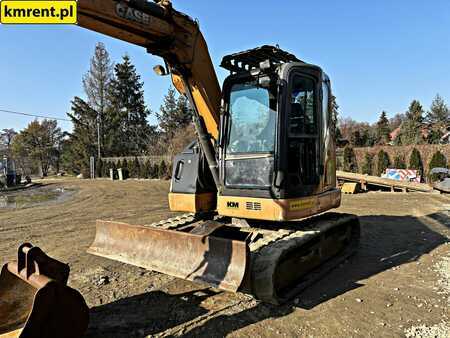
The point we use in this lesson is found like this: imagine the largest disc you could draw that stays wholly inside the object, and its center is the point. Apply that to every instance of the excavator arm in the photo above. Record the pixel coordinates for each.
(176, 38)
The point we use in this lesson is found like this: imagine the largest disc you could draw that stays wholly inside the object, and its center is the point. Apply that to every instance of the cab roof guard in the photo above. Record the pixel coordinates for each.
(251, 59)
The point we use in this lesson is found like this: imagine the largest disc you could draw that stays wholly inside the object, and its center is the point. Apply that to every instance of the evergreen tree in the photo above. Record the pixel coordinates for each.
(114, 167)
(147, 169)
(367, 167)
(174, 114)
(84, 135)
(125, 169)
(356, 139)
(383, 129)
(439, 118)
(155, 171)
(437, 161)
(162, 170)
(399, 162)
(439, 113)
(350, 160)
(96, 83)
(106, 167)
(136, 168)
(90, 117)
(130, 169)
(411, 129)
(415, 162)
(98, 168)
(383, 162)
(128, 112)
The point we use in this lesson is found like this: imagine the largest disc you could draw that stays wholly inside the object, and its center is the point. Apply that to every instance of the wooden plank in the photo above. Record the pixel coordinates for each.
(383, 182)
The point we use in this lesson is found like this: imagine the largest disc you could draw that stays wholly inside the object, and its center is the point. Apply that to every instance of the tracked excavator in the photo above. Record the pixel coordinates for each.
(256, 185)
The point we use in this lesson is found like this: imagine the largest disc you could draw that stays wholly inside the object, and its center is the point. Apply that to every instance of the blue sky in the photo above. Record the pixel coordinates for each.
(379, 54)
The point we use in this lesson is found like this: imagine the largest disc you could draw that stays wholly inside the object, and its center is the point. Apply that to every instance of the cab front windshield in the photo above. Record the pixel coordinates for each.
(253, 118)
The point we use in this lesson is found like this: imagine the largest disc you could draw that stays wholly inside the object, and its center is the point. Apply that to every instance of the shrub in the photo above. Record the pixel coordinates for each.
(162, 172)
(350, 160)
(415, 162)
(154, 173)
(367, 167)
(106, 166)
(125, 169)
(383, 162)
(146, 169)
(437, 161)
(399, 162)
(98, 168)
(130, 169)
(135, 168)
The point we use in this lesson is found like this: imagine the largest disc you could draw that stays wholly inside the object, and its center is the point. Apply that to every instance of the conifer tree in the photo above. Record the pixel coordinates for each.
(162, 170)
(383, 129)
(89, 117)
(383, 162)
(437, 161)
(147, 169)
(350, 160)
(175, 114)
(367, 167)
(411, 130)
(399, 162)
(128, 112)
(136, 168)
(439, 113)
(415, 162)
(439, 119)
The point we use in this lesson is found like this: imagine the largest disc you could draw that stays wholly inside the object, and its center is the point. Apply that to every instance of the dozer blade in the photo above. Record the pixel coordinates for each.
(35, 301)
(196, 255)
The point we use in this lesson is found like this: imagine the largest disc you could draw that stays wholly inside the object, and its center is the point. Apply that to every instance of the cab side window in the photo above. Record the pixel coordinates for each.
(302, 119)
(303, 136)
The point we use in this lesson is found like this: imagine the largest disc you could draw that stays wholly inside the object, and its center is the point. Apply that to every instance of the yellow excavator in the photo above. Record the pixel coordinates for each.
(256, 183)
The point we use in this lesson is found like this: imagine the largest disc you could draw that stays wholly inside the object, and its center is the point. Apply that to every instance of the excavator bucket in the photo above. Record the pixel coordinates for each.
(35, 301)
(195, 255)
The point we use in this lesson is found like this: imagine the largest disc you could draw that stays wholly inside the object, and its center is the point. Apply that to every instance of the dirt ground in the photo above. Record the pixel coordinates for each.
(396, 285)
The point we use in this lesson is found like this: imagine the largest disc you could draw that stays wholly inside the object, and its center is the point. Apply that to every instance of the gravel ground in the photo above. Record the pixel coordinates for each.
(394, 286)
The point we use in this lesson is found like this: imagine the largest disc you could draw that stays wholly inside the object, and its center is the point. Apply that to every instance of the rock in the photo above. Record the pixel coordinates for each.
(104, 280)
(80, 176)
(388, 304)
(359, 300)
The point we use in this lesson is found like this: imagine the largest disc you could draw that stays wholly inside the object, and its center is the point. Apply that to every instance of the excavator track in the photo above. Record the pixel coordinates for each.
(286, 258)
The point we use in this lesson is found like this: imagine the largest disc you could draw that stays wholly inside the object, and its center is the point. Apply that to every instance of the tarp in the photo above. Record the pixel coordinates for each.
(402, 175)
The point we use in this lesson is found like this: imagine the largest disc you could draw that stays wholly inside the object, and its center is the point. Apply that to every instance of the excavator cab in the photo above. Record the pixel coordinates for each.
(275, 143)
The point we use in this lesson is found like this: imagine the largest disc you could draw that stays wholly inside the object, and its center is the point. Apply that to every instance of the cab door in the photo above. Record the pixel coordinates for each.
(303, 121)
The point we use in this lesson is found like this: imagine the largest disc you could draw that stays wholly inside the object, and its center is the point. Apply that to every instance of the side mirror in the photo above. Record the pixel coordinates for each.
(160, 70)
